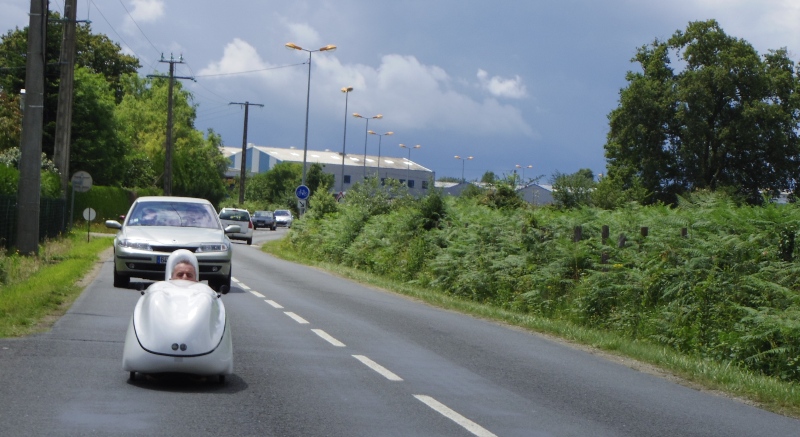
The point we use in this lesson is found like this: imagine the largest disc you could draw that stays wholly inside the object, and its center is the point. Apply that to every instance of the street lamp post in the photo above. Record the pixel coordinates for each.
(408, 161)
(463, 160)
(346, 91)
(523, 171)
(327, 48)
(366, 131)
(380, 137)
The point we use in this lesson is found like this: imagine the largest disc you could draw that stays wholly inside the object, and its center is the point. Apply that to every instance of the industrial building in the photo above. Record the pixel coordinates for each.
(356, 166)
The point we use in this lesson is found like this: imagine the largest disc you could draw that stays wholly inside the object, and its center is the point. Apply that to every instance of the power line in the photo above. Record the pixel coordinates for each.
(137, 26)
(250, 71)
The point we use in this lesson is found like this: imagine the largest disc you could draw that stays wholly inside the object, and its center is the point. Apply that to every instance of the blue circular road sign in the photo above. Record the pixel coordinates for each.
(302, 192)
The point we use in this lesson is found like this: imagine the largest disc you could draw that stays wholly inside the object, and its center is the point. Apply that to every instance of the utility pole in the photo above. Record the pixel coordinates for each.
(244, 148)
(168, 147)
(65, 95)
(28, 193)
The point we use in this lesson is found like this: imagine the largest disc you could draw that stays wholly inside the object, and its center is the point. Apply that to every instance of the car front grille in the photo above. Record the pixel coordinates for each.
(171, 249)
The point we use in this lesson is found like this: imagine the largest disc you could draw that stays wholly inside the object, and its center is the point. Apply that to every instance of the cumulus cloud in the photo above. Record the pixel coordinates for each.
(147, 10)
(140, 12)
(237, 57)
(411, 94)
(499, 87)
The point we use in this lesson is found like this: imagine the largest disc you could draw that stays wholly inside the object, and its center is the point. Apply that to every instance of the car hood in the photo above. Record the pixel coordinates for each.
(172, 235)
(179, 318)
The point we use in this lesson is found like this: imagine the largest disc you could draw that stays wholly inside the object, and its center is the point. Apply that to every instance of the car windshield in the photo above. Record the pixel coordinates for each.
(281, 212)
(177, 214)
(263, 214)
(237, 216)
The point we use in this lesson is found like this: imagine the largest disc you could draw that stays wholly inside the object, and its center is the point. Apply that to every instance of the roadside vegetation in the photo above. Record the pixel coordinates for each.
(34, 291)
(706, 289)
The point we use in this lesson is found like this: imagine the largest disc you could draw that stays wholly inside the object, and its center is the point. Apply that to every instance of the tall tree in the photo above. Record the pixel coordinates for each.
(96, 147)
(95, 52)
(727, 119)
(198, 164)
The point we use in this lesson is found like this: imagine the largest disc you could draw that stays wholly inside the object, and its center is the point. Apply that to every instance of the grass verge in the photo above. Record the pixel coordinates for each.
(38, 289)
(701, 374)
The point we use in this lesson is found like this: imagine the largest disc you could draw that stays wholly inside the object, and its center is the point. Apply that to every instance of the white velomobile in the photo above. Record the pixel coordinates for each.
(179, 326)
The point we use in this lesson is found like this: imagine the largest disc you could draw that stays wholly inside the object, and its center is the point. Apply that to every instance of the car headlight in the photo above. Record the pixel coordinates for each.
(135, 244)
(212, 247)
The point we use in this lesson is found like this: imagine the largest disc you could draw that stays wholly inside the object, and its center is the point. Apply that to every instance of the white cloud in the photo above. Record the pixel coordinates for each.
(303, 35)
(410, 94)
(237, 57)
(147, 10)
(140, 12)
(499, 87)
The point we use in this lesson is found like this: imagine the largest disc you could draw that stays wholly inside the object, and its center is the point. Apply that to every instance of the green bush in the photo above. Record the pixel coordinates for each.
(727, 290)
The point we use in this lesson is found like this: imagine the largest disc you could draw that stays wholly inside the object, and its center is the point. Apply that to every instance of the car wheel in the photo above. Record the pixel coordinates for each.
(121, 281)
(217, 283)
(274, 228)
(132, 376)
(221, 379)
(249, 241)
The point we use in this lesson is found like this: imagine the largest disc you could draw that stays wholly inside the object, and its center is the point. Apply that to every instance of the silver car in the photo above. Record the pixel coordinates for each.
(241, 217)
(156, 226)
(283, 217)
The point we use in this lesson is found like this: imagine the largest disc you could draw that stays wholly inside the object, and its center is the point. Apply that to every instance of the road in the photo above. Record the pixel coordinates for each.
(317, 355)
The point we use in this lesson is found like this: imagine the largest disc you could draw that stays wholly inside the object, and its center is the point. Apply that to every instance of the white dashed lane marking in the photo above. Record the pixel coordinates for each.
(378, 368)
(274, 304)
(435, 405)
(445, 411)
(296, 318)
(327, 337)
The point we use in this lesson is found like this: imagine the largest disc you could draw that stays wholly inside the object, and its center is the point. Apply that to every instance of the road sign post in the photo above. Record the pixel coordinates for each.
(81, 182)
(89, 214)
(302, 192)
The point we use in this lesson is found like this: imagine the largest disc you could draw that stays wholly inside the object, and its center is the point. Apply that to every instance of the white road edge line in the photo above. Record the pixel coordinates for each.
(274, 304)
(327, 337)
(234, 279)
(257, 294)
(378, 368)
(445, 411)
(296, 318)
(242, 285)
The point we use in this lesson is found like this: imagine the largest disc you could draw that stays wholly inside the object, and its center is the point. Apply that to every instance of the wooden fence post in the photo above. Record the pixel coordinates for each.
(578, 234)
(605, 233)
(622, 240)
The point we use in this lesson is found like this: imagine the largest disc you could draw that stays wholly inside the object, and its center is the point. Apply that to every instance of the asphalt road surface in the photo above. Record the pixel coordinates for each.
(317, 355)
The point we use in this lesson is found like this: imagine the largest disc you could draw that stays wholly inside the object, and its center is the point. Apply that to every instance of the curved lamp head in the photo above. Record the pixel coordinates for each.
(347, 89)
(293, 46)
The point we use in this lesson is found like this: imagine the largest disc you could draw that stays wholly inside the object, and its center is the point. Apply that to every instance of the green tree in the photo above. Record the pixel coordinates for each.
(277, 185)
(488, 177)
(10, 121)
(573, 190)
(95, 147)
(97, 53)
(317, 180)
(728, 119)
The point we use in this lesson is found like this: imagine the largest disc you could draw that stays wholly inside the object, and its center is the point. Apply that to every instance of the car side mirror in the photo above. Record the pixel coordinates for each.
(113, 224)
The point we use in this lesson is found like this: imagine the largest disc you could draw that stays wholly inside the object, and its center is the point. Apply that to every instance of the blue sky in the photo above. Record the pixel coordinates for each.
(508, 82)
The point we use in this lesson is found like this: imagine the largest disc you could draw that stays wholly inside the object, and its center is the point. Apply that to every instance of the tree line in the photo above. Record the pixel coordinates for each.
(119, 118)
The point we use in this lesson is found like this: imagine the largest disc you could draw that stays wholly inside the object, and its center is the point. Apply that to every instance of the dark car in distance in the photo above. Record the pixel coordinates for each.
(264, 219)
